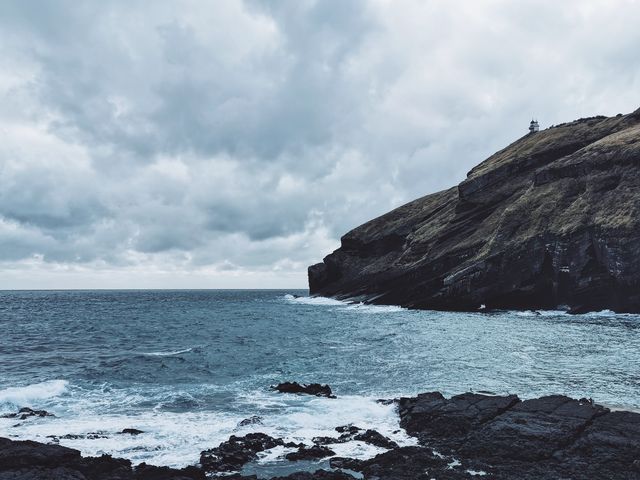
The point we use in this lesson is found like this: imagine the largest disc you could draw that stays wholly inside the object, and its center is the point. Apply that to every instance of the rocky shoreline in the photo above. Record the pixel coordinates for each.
(467, 436)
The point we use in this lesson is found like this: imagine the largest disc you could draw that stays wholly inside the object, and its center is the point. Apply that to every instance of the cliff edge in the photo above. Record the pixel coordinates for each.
(552, 220)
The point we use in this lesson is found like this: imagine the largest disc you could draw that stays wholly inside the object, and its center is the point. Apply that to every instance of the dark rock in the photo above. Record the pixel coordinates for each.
(310, 453)
(310, 389)
(132, 431)
(150, 472)
(532, 430)
(42, 473)
(405, 463)
(27, 460)
(231, 455)
(317, 475)
(351, 432)
(17, 454)
(349, 429)
(612, 441)
(294, 445)
(547, 221)
(446, 422)
(74, 436)
(374, 438)
(106, 467)
(27, 412)
(548, 438)
(346, 463)
(253, 420)
(326, 440)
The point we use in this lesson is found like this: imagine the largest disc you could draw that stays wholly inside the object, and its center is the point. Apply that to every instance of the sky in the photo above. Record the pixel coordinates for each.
(230, 144)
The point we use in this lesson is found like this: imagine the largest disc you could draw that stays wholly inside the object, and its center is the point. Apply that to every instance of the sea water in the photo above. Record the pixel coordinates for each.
(186, 367)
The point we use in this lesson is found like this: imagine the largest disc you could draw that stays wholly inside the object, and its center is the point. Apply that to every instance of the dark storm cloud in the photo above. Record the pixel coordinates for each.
(239, 138)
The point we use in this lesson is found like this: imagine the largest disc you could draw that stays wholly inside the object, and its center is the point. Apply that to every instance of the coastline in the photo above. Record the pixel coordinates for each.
(466, 436)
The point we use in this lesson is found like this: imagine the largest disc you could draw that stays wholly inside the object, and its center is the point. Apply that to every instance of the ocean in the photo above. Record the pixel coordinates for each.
(186, 367)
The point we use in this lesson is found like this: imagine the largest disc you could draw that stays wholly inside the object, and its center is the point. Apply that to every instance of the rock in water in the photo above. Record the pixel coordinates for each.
(27, 412)
(231, 455)
(311, 389)
(310, 453)
(551, 220)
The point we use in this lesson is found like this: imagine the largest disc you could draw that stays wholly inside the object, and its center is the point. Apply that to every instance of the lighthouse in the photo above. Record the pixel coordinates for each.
(533, 126)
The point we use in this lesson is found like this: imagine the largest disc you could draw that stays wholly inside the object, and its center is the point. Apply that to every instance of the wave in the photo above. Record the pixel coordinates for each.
(363, 307)
(176, 438)
(565, 313)
(167, 354)
(314, 300)
(27, 395)
(349, 305)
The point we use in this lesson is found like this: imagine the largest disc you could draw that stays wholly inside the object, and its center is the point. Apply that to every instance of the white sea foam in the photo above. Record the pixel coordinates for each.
(348, 305)
(16, 397)
(314, 300)
(363, 307)
(167, 354)
(601, 313)
(541, 313)
(176, 439)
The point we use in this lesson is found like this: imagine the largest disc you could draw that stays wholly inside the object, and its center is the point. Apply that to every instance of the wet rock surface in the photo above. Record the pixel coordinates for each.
(445, 422)
(351, 432)
(253, 420)
(550, 437)
(76, 436)
(26, 460)
(27, 412)
(551, 220)
(462, 437)
(230, 456)
(317, 475)
(311, 389)
(310, 453)
(375, 438)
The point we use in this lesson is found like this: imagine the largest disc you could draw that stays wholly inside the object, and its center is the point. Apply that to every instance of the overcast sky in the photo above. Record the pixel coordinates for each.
(231, 143)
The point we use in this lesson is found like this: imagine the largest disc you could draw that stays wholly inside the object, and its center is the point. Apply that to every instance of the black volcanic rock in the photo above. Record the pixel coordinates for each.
(375, 438)
(545, 438)
(317, 475)
(27, 412)
(351, 432)
(27, 460)
(311, 389)
(231, 455)
(446, 422)
(551, 220)
(253, 420)
(310, 453)
(532, 430)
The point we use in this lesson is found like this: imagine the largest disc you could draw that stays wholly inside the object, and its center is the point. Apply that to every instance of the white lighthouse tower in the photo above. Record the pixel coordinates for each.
(533, 126)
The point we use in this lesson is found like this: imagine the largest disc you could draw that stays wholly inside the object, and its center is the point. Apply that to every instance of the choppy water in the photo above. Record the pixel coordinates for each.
(187, 366)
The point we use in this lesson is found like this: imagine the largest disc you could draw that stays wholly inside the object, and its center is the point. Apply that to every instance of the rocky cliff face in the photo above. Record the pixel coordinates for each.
(552, 220)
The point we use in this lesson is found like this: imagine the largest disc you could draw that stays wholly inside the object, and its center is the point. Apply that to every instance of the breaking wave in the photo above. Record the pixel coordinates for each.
(17, 397)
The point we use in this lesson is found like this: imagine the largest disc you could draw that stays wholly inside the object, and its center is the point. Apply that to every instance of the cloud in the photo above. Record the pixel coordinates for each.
(218, 144)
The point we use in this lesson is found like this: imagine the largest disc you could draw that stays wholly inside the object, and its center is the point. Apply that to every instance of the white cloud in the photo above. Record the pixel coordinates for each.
(231, 143)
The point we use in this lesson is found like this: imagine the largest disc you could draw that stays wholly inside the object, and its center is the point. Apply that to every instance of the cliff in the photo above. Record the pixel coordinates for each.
(552, 220)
